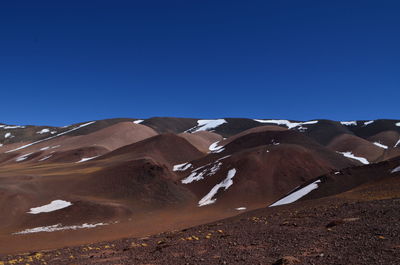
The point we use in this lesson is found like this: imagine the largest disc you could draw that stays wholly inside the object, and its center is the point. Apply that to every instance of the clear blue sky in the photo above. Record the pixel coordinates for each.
(70, 61)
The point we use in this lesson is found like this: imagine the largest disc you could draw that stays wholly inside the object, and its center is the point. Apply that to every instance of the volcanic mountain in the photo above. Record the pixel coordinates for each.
(117, 178)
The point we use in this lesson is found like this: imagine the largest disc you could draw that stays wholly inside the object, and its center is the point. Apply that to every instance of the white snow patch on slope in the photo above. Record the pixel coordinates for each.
(368, 123)
(23, 157)
(182, 167)
(43, 131)
(352, 156)
(381, 145)
(397, 144)
(349, 123)
(273, 142)
(45, 158)
(11, 126)
(287, 123)
(7, 135)
(87, 159)
(51, 207)
(301, 129)
(206, 125)
(226, 183)
(215, 148)
(52, 137)
(58, 227)
(138, 121)
(214, 169)
(397, 169)
(240, 208)
(398, 124)
(197, 175)
(297, 194)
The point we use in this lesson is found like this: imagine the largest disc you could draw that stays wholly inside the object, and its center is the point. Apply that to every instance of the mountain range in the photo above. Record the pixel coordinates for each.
(106, 180)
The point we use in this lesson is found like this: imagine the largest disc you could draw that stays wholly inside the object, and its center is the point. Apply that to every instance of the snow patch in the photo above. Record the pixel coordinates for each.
(287, 123)
(214, 148)
(381, 145)
(197, 175)
(7, 135)
(138, 121)
(397, 144)
(52, 137)
(86, 159)
(368, 123)
(226, 183)
(206, 125)
(301, 129)
(398, 124)
(58, 227)
(397, 169)
(297, 194)
(182, 167)
(43, 131)
(240, 208)
(273, 142)
(214, 169)
(23, 157)
(11, 126)
(352, 156)
(45, 158)
(51, 207)
(349, 123)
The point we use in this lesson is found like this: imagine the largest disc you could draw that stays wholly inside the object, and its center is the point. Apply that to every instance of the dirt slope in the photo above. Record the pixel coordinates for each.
(324, 231)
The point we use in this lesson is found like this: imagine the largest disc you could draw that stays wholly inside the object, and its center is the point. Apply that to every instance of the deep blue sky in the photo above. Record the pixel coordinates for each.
(71, 61)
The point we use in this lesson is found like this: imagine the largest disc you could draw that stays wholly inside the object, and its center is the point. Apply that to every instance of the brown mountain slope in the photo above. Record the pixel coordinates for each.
(357, 146)
(266, 165)
(168, 149)
(322, 231)
(250, 131)
(388, 138)
(201, 140)
(109, 138)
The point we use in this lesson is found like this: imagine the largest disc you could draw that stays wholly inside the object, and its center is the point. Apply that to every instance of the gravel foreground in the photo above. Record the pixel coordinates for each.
(338, 232)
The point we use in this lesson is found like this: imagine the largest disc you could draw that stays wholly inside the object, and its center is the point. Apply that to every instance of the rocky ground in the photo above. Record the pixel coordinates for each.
(337, 231)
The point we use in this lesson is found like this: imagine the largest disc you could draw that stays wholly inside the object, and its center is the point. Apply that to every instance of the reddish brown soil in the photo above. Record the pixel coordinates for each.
(111, 137)
(285, 137)
(388, 138)
(169, 124)
(168, 149)
(250, 131)
(325, 130)
(132, 187)
(334, 230)
(358, 146)
(280, 169)
(201, 140)
(74, 155)
(391, 153)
